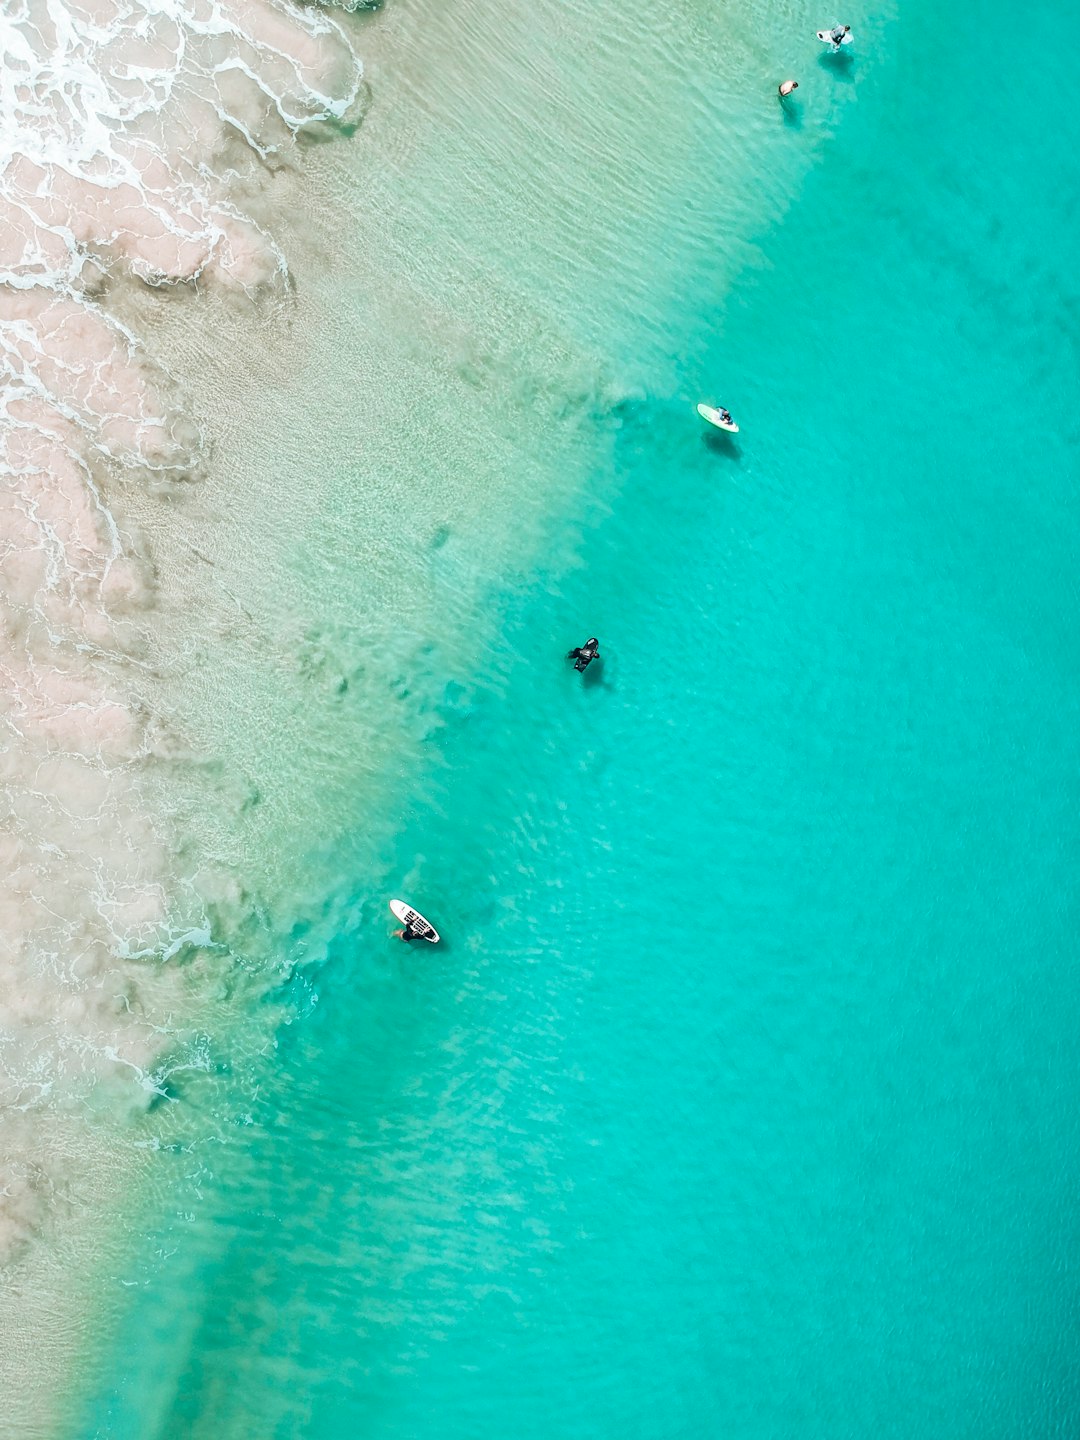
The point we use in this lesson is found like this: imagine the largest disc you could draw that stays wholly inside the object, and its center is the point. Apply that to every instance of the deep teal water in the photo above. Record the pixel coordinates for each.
(741, 1099)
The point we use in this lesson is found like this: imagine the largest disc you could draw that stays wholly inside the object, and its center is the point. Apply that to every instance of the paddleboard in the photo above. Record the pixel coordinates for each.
(713, 417)
(408, 916)
(825, 36)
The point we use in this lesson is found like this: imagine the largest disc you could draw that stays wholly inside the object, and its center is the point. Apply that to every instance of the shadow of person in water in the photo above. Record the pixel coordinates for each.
(839, 63)
(595, 677)
(720, 442)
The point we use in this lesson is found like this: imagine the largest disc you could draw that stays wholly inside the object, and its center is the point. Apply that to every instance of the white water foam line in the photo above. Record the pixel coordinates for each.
(122, 125)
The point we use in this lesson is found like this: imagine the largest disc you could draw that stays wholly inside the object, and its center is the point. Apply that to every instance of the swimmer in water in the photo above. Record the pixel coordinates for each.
(787, 87)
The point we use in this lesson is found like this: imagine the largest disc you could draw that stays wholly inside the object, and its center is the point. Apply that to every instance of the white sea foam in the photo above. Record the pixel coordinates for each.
(128, 129)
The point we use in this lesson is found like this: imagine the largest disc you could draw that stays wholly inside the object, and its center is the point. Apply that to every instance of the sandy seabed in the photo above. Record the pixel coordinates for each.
(133, 139)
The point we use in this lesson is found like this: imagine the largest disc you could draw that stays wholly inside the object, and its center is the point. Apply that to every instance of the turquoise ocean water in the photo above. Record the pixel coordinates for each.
(741, 1099)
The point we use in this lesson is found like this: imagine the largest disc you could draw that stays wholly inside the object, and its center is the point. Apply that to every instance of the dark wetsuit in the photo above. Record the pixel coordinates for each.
(584, 655)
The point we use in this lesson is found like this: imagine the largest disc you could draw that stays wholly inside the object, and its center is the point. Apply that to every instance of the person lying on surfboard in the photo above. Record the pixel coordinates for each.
(584, 655)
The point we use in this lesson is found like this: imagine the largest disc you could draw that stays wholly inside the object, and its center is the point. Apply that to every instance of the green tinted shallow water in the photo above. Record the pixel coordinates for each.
(741, 1098)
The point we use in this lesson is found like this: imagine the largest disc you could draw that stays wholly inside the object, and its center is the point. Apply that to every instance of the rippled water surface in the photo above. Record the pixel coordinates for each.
(740, 1099)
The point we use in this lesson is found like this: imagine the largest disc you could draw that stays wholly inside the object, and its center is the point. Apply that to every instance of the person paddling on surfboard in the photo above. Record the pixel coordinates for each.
(584, 655)
(839, 35)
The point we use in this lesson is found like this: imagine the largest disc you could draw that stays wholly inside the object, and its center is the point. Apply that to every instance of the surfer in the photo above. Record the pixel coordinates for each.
(413, 924)
(725, 416)
(412, 931)
(839, 35)
(584, 655)
(787, 87)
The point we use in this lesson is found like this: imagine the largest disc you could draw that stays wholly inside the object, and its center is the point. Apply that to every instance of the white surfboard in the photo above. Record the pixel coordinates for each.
(714, 418)
(408, 916)
(825, 36)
